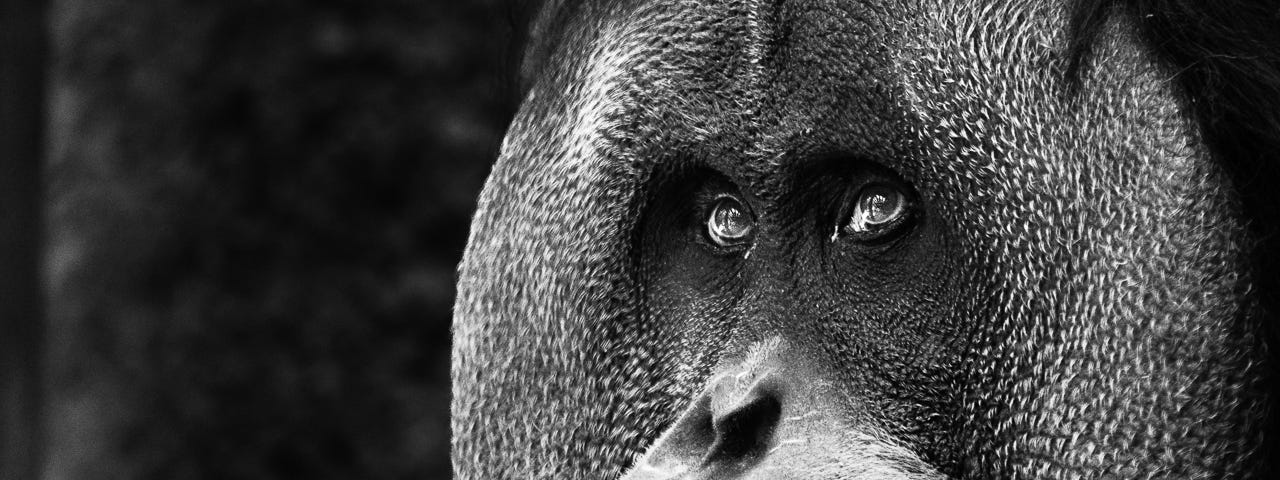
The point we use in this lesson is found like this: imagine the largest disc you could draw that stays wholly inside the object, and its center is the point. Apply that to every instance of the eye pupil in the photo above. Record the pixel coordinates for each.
(878, 207)
(729, 223)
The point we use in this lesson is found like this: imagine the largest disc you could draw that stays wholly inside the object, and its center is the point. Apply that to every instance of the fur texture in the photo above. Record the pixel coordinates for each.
(1086, 294)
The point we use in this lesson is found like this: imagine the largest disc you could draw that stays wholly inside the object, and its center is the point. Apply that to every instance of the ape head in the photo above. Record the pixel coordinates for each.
(842, 239)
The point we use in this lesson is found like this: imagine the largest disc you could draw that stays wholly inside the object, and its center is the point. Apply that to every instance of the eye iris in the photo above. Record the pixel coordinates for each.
(729, 223)
(877, 206)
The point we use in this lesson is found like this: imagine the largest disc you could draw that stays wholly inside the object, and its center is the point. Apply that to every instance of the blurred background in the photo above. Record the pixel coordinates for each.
(253, 214)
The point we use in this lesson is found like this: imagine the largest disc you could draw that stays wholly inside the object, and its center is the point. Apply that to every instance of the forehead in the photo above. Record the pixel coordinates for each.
(744, 86)
(754, 88)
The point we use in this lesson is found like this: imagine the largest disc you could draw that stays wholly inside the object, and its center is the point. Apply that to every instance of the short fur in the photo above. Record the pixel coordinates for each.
(1225, 58)
(1089, 291)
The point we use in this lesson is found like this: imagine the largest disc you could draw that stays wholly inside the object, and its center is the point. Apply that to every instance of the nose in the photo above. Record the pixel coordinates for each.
(728, 429)
(742, 421)
(774, 416)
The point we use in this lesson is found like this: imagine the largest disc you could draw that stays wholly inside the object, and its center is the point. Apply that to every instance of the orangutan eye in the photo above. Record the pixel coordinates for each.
(878, 210)
(729, 223)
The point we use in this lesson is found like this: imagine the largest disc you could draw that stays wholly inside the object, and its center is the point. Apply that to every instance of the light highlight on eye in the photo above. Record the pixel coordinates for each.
(729, 223)
(879, 209)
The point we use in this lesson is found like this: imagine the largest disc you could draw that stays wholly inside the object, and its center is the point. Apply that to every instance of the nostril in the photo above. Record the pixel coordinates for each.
(745, 432)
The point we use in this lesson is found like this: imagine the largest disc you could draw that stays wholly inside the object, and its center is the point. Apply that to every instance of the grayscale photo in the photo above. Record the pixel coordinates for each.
(639, 239)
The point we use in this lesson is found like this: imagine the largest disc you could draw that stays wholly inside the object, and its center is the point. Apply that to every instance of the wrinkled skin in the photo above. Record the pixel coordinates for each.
(1070, 299)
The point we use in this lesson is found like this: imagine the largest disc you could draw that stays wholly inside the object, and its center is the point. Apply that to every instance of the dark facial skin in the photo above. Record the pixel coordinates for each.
(861, 309)
(1063, 296)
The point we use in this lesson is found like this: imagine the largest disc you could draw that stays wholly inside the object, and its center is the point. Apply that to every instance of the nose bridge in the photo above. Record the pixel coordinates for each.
(772, 370)
(778, 289)
(763, 371)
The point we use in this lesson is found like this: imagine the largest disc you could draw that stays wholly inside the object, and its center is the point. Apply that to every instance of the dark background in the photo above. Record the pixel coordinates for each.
(254, 214)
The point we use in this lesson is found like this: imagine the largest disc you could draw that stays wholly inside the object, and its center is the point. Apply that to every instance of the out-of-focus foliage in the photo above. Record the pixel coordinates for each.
(255, 212)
